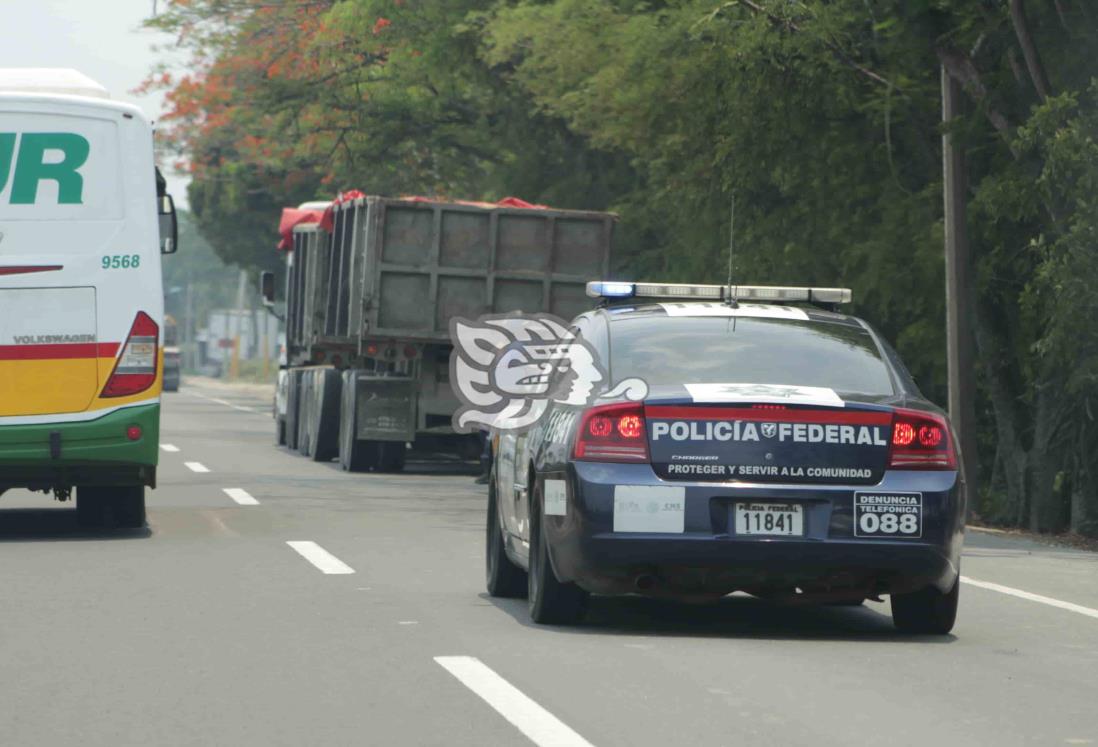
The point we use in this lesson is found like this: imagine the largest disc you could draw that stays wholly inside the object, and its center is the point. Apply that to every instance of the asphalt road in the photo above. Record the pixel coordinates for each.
(210, 629)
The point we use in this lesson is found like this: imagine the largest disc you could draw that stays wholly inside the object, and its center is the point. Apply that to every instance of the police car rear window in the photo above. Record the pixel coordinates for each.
(695, 350)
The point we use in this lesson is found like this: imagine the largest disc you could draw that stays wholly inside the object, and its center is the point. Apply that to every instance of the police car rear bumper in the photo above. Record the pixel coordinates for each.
(708, 558)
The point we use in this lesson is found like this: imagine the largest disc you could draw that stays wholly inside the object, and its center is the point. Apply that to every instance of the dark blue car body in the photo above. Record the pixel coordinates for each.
(827, 561)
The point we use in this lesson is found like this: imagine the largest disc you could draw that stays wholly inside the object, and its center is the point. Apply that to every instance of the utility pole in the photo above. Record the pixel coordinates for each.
(189, 358)
(237, 322)
(960, 354)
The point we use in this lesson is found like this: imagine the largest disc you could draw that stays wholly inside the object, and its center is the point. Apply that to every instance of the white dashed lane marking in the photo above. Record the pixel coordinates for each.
(321, 558)
(223, 402)
(1069, 606)
(241, 496)
(169, 448)
(540, 727)
(195, 466)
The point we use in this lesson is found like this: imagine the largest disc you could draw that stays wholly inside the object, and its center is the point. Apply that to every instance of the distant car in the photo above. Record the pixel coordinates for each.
(173, 369)
(173, 359)
(781, 451)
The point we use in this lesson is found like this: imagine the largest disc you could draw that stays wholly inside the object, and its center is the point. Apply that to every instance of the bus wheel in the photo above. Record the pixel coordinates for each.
(128, 503)
(89, 506)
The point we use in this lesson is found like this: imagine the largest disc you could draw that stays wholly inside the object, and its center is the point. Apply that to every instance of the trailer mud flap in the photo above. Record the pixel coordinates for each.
(385, 408)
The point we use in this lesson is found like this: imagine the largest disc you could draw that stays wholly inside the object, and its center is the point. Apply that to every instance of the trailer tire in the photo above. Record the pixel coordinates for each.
(390, 455)
(293, 387)
(354, 455)
(305, 401)
(325, 414)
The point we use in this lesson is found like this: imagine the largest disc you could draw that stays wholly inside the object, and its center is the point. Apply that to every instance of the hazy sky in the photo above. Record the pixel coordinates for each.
(101, 38)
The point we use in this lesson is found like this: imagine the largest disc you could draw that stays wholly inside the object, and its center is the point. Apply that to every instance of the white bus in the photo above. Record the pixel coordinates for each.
(84, 218)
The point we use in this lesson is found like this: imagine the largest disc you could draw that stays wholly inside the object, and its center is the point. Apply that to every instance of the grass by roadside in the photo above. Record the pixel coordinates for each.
(1065, 539)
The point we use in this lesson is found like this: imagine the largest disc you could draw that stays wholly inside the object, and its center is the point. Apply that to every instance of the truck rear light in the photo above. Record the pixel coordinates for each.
(135, 370)
(612, 433)
(920, 440)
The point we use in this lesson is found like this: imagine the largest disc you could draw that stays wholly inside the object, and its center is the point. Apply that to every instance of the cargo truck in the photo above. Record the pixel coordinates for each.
(371, 286)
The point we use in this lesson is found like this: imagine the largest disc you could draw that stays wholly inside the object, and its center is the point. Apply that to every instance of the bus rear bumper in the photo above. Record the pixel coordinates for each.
(94, 452)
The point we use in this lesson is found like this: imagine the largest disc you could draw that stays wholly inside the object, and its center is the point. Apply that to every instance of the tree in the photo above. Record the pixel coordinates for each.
(821, 117)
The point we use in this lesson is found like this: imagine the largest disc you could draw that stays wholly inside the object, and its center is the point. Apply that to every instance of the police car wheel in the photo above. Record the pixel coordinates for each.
(927, 611)
(550, 602)
(504, 578)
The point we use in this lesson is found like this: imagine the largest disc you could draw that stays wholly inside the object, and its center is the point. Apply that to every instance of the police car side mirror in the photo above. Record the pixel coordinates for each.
(169, 225)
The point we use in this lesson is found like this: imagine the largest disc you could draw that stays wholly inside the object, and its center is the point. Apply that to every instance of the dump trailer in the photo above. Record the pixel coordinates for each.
(371, 288)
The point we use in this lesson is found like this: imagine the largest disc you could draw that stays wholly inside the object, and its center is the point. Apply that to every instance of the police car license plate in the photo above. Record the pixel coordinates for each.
(781, 519)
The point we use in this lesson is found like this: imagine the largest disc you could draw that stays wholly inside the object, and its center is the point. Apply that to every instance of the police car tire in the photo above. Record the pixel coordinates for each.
(550, 602)
(128, 505)
(927, 611)
(504, 578)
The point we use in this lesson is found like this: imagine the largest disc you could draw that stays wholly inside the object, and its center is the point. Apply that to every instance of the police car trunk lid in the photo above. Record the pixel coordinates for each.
(766, 434)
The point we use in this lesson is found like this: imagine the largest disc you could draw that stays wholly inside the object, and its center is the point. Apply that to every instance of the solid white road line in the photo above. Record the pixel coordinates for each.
(541, 727)
(320, 557)
(195, 466)
(1069, 606)
(169, 448)
(241, 496)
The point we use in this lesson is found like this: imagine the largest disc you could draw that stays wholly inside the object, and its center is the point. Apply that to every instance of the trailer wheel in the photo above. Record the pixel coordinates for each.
(292, 408)
(324, 415)
(353, 456)
(305, 413)
(390, 455)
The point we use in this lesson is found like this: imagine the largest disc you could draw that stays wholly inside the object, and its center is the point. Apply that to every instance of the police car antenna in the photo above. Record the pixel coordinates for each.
(730, 299)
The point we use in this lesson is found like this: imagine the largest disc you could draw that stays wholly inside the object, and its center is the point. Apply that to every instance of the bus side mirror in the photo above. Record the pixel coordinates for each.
(267, 287)
(169, 225)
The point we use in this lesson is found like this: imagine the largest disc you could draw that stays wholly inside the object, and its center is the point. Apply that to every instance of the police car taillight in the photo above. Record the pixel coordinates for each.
(920, 440)
(135, 370)
(612, 433)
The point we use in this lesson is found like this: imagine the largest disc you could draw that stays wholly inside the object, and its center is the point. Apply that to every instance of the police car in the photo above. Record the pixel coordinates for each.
(781, 449)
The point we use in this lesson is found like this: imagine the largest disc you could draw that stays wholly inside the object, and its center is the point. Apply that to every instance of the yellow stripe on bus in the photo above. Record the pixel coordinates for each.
(61, 387)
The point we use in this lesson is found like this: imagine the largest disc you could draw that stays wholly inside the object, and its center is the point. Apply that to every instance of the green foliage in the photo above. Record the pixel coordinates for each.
(212, 283)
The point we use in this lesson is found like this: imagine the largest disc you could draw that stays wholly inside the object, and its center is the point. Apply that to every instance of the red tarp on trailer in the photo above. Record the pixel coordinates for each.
(294, 217)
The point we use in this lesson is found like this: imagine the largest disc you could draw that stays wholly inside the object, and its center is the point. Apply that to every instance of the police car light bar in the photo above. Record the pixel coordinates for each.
(685, 291)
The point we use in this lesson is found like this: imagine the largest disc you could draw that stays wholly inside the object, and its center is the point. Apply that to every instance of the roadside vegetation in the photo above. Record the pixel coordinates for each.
(823, 118)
